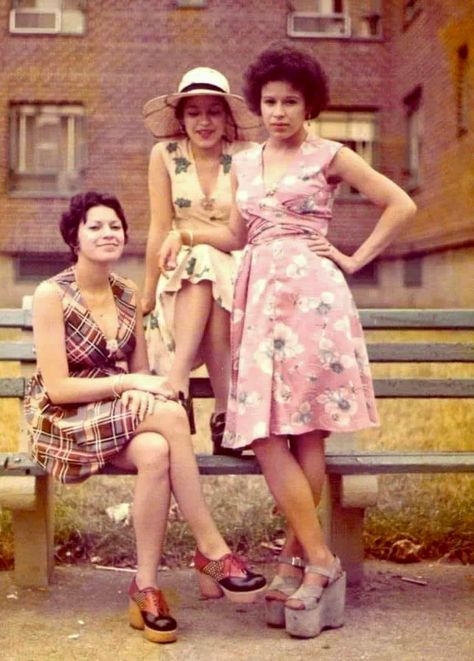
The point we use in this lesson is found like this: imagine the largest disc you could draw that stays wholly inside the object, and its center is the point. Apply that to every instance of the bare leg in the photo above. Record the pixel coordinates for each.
(169, 419)
(192, 310)
(149, 454)
(293, 493)
(216, 354)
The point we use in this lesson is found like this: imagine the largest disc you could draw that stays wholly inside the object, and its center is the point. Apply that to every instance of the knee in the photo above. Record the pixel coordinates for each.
(152, 454)
(171, 416)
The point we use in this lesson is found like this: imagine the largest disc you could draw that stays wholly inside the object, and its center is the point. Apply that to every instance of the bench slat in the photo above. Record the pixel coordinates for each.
(15, 318)
(408, 318)
(384, 388)
(371, 318)
(431, 352)
(349, 463)
(21, 351)
(12, 387)
(419, 352)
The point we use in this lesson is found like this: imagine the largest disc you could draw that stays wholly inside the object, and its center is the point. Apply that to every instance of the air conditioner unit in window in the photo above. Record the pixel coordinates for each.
(35, 21)
(312, 24)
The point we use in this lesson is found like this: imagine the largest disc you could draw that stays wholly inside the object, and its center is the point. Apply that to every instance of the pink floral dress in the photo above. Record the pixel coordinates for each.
(299, 360)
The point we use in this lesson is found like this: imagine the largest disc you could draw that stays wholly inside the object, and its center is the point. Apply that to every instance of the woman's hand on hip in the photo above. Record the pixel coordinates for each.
(169, 251)
(324, 248)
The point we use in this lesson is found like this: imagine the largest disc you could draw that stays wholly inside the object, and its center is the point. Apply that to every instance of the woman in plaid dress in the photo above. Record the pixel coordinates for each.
(93, 401)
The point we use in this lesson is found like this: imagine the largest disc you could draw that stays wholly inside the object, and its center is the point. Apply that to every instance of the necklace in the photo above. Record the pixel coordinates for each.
(207, 203)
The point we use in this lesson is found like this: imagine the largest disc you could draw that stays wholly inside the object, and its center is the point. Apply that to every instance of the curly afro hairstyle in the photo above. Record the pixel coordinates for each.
(293, 66)
(79, 205)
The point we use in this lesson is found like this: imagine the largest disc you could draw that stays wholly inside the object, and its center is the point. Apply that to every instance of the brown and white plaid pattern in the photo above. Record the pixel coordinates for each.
(74, 442)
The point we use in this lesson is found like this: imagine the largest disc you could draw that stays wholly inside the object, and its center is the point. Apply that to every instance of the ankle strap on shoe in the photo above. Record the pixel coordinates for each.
(293, 561)
(330, 572)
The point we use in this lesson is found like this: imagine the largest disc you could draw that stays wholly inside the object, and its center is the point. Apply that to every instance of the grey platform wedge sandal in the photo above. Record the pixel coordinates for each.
(323, 606)
(287, 585)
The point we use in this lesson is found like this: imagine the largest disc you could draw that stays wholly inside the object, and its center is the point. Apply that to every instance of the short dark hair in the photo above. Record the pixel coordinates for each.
(79, 205)
(232, 129)
(293, 66)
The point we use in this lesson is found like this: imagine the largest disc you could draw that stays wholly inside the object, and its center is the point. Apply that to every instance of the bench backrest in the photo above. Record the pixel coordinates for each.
(379, 351)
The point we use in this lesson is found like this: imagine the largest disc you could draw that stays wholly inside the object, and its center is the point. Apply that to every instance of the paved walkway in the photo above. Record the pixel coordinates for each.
(82, 616)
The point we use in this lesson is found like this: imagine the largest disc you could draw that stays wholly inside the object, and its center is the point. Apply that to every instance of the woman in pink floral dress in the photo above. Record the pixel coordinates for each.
(299, 362)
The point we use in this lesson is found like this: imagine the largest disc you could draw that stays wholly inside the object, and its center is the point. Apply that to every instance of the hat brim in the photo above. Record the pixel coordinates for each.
(159, 114)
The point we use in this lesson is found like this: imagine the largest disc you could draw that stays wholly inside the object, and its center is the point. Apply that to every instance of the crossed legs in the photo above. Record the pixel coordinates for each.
(163, 455)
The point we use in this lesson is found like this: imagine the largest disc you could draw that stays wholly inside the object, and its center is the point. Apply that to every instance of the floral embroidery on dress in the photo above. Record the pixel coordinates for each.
(182, 202)
(181, 164)
(226, 161)
(171, 147)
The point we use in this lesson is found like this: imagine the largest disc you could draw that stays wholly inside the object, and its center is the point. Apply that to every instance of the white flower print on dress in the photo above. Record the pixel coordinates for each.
(278, 249)
(303, 415)
(237, 315)
(282, 346)
(325, 302)
(335, 273)
(307, 303)
(332, 359)
(258, 289)
(298, 267)
(340, 404)
(344, 326)
(245, 400)
(260, 430)
(281, 392)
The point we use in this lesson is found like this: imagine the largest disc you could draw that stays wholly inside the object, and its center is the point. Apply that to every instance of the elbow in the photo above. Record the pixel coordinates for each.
(411, 209)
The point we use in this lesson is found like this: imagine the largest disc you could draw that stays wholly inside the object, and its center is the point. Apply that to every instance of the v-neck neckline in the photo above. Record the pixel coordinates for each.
(268, 191)
(213, 193)
(108, 340)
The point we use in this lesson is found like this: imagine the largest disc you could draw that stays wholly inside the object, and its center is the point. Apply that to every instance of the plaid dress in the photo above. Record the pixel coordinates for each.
(73, 442)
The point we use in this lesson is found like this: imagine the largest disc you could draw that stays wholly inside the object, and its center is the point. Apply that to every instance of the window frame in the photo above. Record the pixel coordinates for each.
(369, 115)
(413, 137)
(26, 144)
(60, 11)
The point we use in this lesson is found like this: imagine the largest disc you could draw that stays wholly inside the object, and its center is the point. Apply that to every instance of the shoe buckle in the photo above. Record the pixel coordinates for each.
(295, 561)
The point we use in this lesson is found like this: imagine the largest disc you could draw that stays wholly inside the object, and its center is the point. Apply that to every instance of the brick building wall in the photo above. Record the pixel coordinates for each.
(132, 51)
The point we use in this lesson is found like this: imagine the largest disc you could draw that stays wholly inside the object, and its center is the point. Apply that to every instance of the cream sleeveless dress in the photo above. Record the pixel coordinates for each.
(192, 210)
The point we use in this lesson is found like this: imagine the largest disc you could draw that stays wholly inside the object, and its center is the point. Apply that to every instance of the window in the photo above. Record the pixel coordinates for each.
(411, 9)
(355, 129)
(40, 267)
(48, 16)
(196, 4)
(367, 276)
(462, 103)
(318, 18)
(47, 151)
(412, 271)
(414, 128)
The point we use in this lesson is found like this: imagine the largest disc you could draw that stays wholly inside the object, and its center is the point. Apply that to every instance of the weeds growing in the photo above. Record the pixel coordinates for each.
(417, 517)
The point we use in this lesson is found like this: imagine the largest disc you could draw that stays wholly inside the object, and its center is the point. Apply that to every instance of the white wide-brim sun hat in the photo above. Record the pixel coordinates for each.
(159, 113)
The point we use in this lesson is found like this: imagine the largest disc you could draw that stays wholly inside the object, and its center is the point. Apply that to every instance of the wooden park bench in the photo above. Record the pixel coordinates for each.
(352, 473)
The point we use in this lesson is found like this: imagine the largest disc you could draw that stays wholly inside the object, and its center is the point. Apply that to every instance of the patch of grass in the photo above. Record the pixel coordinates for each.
(418, 516)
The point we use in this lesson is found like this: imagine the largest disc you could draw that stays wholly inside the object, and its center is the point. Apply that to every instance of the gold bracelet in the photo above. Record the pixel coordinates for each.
(116, 385)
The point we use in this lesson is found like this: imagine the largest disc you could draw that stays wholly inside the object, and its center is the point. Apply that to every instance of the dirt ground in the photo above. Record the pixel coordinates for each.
(82, 616)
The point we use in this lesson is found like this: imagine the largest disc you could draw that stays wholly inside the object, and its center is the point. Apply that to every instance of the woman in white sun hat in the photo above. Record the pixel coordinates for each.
(201, 127)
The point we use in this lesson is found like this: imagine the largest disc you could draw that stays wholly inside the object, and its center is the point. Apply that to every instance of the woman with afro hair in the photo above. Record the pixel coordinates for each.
(299, 361)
